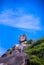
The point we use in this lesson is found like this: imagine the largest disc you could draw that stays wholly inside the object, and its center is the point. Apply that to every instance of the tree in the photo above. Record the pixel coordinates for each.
(29, 41)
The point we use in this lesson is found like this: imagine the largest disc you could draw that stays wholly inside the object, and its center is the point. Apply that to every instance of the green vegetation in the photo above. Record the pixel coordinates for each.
(36, 52)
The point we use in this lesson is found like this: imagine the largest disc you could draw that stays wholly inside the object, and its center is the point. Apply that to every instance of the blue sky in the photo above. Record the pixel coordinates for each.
(19, 17)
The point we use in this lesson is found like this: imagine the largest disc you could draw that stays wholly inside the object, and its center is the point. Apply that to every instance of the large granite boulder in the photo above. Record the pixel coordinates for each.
(15, 59)
(22, 38)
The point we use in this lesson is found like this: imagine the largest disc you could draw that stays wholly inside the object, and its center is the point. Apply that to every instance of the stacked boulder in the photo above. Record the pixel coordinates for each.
(17, 56)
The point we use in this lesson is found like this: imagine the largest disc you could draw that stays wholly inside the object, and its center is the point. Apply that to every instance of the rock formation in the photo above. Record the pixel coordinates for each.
(16, 56)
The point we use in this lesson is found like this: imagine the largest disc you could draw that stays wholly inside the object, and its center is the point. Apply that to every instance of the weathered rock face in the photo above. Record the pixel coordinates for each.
(15, 59)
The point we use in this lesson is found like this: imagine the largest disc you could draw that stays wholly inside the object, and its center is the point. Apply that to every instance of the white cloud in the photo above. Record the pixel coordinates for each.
(20, 20)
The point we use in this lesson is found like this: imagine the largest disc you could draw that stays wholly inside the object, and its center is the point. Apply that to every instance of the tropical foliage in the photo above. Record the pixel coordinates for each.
(36, 52)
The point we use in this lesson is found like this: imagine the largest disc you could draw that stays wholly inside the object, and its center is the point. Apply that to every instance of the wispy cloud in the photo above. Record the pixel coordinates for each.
(19, 19)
